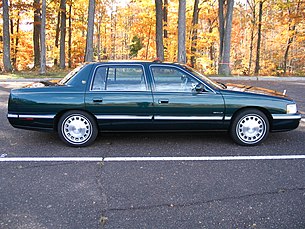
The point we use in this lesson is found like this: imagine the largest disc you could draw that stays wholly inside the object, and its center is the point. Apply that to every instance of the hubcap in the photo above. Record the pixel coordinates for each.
(251, 128)
(77, 129)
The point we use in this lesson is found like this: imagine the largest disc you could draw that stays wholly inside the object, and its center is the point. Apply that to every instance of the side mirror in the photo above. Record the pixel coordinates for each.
(199, 88)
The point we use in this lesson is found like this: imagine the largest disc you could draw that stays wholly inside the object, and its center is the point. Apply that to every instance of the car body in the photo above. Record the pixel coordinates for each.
(148, 96)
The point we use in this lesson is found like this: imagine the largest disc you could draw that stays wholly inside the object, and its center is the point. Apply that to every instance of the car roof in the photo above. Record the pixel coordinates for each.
(134, 62)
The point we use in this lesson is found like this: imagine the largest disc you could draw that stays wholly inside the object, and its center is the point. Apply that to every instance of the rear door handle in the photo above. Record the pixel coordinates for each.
(97, 100)
(162, 101)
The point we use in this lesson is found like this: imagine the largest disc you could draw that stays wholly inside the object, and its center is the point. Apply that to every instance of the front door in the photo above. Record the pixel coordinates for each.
(120, 97)
(177, 105)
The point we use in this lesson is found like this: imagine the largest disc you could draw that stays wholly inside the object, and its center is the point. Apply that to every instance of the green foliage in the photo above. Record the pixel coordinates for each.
(135, 46)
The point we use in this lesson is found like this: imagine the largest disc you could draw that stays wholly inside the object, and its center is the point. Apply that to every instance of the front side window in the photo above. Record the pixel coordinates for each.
(168, 79)
(119, 78)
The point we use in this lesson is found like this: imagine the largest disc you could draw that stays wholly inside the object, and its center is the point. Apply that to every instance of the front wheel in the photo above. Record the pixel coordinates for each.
(249, 127)
(77, 128)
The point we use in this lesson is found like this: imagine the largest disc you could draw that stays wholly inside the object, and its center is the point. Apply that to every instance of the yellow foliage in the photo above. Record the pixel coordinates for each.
(117, 22)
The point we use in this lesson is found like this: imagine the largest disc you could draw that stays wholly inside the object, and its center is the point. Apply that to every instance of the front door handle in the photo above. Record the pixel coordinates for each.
(162, 101)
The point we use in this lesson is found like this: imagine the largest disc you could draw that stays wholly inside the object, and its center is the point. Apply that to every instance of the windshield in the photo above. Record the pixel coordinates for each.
(204, 78)
(70, 75)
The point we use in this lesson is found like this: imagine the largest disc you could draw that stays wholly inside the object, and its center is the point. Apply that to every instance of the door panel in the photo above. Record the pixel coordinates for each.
(177, 106)
(120, 98)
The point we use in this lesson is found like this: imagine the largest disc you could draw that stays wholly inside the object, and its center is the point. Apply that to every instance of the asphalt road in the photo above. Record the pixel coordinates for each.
(168, 194)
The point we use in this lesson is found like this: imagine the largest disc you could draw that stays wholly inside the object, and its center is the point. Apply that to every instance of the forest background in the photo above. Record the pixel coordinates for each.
(245, 37)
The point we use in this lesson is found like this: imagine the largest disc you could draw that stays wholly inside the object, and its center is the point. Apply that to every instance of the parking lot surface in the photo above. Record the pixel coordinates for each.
(153, 194)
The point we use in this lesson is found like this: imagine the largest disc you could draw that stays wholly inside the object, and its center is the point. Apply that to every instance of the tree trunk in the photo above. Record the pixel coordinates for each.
(70, 37)
(159, 30)
(113, 35)
(259, 35)
(194, 33)
(165, 19)
(148, 43)
(62, 51)
(289, 42)
(90, 32)
(99, 35)
(225, 28)
(221, 28)
(253, 24)
(57, 36)
(6, 38)
(36, 33)
(43, 38)
(211, 48)
(15, 41)
(181, 32)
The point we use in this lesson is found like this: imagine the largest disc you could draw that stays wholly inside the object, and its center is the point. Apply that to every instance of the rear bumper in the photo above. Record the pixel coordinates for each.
(32, 122)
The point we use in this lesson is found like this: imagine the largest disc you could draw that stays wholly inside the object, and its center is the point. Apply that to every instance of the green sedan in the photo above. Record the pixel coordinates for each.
(148, 96)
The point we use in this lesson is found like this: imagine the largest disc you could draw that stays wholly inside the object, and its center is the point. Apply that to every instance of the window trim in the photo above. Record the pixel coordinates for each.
(117, 65)
(153, 86)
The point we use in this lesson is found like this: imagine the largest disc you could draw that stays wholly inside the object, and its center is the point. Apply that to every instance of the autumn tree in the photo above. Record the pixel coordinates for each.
(120, 27)
(16, 8)
(6, 38)
(294, 17)
(225, 16)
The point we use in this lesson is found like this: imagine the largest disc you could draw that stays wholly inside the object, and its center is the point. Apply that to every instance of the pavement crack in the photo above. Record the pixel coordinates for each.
(279, 191)
(103, 219)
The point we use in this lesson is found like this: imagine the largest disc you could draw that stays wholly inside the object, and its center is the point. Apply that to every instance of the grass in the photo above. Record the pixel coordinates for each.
(31, 74)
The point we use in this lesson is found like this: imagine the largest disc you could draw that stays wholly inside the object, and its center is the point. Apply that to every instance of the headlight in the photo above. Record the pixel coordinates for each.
(292, 108)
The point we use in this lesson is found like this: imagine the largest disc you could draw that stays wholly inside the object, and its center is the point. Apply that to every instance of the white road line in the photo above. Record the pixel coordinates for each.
(51, 159)
(217, 158)
(134, 159)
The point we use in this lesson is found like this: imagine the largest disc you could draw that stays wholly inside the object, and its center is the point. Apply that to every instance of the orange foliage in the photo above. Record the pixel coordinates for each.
(117, 22)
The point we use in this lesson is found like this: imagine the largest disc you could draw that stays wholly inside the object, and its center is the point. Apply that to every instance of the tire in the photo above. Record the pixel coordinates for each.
(77, 128)
(250, 127)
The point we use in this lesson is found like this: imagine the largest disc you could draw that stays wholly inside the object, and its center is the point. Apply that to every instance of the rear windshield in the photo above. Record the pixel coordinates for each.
(70, 75)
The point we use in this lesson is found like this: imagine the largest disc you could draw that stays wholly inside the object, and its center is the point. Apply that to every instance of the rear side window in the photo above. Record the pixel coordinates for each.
(119, 78)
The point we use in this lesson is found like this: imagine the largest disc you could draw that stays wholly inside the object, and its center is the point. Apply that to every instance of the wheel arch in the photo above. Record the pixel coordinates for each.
(262, 109)
(61, 113)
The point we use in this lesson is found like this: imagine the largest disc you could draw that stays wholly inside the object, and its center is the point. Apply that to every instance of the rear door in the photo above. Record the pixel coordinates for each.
(120, 97)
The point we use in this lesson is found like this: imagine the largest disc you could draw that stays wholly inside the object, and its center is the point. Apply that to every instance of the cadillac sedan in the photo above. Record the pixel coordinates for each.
(148, 96)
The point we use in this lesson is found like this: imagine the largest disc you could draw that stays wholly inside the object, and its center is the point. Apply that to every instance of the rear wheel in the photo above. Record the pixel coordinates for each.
(77, 128)
(250, 127)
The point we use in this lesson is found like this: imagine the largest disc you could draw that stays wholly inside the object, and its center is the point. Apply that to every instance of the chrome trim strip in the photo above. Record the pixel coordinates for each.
(127, 117)
(37, 116)
(12, 115)
(286, 116)
(159, 117)
(227, 118)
